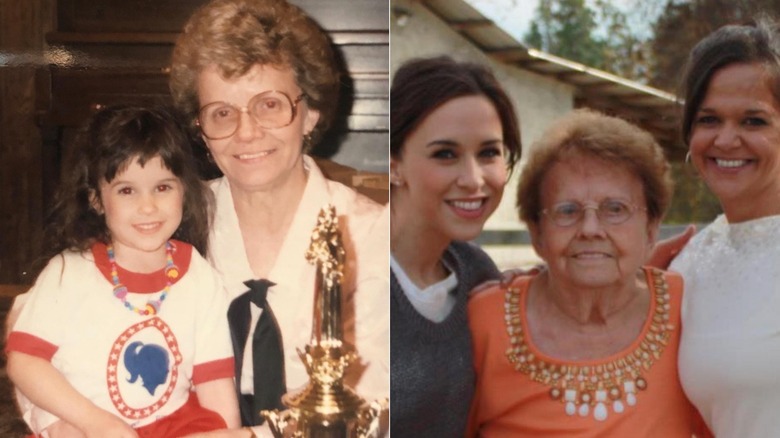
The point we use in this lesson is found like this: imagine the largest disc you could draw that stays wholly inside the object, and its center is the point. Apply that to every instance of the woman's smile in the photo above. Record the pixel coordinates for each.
(254, 155)
(473, 208)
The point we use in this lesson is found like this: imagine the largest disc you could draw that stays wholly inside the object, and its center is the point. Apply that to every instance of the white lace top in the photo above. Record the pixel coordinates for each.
(730, 347)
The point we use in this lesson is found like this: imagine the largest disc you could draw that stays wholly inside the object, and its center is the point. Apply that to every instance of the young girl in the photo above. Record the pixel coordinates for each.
(124, 320)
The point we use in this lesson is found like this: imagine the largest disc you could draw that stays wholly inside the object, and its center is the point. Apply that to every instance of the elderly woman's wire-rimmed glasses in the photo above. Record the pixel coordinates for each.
(611, 211)
(269, 109)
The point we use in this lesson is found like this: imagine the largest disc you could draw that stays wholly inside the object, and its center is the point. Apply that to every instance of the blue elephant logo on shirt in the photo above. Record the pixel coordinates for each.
(150, 362)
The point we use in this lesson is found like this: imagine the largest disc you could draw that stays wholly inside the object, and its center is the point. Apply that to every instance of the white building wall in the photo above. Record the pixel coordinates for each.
(538, 101)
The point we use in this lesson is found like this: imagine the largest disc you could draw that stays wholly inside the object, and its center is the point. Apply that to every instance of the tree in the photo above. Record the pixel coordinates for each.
(626, 52)
(600, 37)
(682, 24)
(566, 28)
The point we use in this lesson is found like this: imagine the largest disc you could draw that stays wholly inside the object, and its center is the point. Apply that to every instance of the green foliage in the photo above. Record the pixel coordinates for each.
(682, 24)
(625, 53)
(566, 28)
(599, 37)
(692, 202)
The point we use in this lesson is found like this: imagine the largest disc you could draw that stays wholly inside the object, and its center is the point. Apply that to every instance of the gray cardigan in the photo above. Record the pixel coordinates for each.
(431, 369)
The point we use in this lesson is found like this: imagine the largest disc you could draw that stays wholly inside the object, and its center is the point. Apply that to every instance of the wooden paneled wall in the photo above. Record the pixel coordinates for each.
(108, 51)
(23, 25)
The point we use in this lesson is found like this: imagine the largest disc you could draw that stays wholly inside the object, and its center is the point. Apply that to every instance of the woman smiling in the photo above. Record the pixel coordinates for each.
(729, 349)
(453, 137)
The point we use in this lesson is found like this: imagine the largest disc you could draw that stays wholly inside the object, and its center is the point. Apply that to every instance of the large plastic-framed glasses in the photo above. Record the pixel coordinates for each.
(610, 211)
(269, 109)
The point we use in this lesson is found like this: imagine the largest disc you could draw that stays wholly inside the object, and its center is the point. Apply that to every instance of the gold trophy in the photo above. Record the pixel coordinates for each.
(326, 407)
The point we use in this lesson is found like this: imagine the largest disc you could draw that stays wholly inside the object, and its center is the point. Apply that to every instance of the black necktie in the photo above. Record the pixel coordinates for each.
(267, 352)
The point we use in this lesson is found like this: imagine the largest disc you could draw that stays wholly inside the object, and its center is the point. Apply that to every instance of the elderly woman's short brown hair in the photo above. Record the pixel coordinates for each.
(586, 133)
(236, 35)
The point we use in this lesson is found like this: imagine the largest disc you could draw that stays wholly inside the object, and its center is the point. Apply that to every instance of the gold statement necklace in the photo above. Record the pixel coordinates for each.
(586, 388)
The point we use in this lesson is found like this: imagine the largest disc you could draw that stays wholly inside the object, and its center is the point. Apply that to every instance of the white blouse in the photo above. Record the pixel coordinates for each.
(365, 291)
(730, 348)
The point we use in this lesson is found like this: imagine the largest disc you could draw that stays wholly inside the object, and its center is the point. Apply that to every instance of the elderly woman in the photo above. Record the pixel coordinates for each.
(259, 81)
(587, 347)
(730, 346)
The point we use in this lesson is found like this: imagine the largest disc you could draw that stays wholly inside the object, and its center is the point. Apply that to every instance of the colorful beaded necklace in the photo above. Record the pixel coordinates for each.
(586, 389)
(152, 307)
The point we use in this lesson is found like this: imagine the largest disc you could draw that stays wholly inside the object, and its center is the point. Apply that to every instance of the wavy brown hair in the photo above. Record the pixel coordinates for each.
(107, 144)
(236, 35)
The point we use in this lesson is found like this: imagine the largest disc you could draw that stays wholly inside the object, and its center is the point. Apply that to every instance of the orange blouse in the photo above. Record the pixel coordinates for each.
(508, 402)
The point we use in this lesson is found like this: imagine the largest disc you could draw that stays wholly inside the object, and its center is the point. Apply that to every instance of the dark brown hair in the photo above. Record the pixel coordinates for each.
(422, 85)
(758, 43)
(236, 35)
(109, 142)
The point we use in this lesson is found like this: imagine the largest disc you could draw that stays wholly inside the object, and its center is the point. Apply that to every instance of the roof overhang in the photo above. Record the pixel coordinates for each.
(654, 110)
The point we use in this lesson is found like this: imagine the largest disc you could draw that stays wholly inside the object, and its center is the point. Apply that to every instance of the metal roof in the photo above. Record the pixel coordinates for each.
(654, 110)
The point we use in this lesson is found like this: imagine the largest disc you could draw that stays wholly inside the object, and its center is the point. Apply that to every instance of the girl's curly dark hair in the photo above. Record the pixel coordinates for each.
(108, 143)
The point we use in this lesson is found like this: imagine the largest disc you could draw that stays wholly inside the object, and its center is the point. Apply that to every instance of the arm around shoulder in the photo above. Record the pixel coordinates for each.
(666, 250)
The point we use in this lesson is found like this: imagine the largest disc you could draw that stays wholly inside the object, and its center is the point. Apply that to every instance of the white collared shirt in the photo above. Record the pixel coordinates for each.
(365, 291)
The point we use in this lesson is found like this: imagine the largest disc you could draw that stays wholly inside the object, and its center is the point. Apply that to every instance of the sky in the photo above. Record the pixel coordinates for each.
(515, 16)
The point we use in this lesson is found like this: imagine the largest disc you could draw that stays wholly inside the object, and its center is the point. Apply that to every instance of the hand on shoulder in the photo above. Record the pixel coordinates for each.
(666, 250)
(507, 277)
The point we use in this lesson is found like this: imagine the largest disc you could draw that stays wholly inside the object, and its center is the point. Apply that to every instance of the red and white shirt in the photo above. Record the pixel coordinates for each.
(140, 368)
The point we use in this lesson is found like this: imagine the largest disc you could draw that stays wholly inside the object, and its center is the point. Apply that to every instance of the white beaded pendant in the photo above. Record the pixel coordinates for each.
(600, 413)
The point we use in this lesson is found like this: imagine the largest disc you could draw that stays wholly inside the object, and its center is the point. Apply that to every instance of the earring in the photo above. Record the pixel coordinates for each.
(396, 182)
(688, 158)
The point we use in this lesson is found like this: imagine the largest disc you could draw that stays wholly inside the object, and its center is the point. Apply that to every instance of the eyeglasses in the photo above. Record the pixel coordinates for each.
(611, 211)
(269, 109)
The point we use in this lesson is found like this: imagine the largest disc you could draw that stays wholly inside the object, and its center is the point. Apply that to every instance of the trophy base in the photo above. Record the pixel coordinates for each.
(339, 429)
(363, 423)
